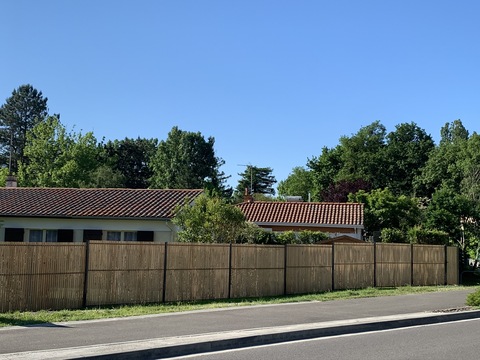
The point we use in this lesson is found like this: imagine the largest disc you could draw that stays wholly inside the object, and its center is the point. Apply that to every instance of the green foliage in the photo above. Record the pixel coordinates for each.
(301, 237)
(3, 176)
(209, 220)
(253, 234)
(444, 165)
(418, 235)
(453, 132)
(447, 210)
(105, 176)
(408, 149)
(286, 237)
(132, 159)
(473, 299)
(25, 108)
(258, 180)
(363, 155)
(325, 169)
(311, 237)
(389, 235)
(298, 183)
(469, 162)
(385, 210)
(185, 160)
(57, 158)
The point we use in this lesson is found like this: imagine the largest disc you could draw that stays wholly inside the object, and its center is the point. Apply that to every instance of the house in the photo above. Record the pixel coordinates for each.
(76, 215)
(334, 218)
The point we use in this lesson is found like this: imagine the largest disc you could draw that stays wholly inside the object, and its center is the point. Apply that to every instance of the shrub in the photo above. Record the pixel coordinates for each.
(393, 236)
(287, 237)
(253, 234)
(473, 299)
(418, 235)
(311, 237)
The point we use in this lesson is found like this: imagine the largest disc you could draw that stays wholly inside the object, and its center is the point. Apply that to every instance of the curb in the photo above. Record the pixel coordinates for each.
(202, 343)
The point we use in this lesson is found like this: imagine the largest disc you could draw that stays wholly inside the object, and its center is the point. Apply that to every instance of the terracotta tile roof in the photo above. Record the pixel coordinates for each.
(266, 212)
(102, 203)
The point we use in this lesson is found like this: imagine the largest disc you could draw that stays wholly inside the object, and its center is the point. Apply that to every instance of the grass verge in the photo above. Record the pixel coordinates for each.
(26, 318)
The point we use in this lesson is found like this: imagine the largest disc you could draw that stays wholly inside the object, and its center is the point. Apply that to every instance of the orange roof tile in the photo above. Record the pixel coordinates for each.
(314, 213)
(102, 203)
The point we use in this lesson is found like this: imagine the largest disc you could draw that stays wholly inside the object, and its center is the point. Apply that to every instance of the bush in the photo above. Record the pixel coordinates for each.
(418, 235)
(311, 237)
(393, 236)
(473, 299)
(287, 237)
(253, 234)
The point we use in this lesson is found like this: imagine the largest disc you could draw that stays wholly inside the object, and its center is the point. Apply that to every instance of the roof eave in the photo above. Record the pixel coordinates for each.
(354, 226)
(86, 217)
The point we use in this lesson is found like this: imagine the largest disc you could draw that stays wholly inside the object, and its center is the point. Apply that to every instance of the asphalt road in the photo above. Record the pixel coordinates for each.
(447, 341)
(90, 333)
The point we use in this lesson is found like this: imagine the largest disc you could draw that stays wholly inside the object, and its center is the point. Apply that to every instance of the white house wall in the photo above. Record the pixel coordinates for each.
(163, 231)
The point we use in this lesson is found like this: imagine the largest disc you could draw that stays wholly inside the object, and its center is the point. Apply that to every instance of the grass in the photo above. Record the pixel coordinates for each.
(29, 318)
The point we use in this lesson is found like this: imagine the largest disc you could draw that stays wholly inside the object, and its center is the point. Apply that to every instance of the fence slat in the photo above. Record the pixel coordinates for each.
(36, 276)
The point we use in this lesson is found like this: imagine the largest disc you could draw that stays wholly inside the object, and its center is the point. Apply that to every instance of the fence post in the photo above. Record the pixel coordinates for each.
(285, 270)
(85, 275)
(164, 292)
(374, 264)
(333, 266)
(411, 264)
(445, 254)
(230, 271)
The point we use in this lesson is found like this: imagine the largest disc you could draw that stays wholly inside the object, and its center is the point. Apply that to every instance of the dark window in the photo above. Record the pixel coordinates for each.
(92, 235)
(145, 236)
(12, 234)
(65, 235)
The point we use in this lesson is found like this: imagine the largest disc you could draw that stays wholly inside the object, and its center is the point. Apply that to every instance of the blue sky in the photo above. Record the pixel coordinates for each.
(272, 81)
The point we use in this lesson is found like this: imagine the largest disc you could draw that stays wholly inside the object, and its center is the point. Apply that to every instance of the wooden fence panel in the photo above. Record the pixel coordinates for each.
(428, 265)
(309, 268)
(394, 264)
(453, 267)
(125, 273)
(257, 270)
(197, 271)
(354, 266)
(35, 276)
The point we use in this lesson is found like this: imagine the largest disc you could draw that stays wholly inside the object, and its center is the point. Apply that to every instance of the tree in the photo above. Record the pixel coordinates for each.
(185, 160)
(339, 191)
(59, 159)
(259, 180)
(132, 158)
(25, 108)
(454, 214)
(325, 169)
(209, 220)
(385, 210)
(443, 167)
(298, 183)
(408, 149)
(363, 155)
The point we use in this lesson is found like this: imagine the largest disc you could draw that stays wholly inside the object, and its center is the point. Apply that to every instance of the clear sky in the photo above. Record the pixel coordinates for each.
(272, 81)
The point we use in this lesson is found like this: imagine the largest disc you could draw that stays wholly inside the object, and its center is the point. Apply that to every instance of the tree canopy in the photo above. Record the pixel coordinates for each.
(132, 159)
(258, 180)
(25, 108)
(57, 158)
(298, 183)
(185, 160)
(209, 219)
